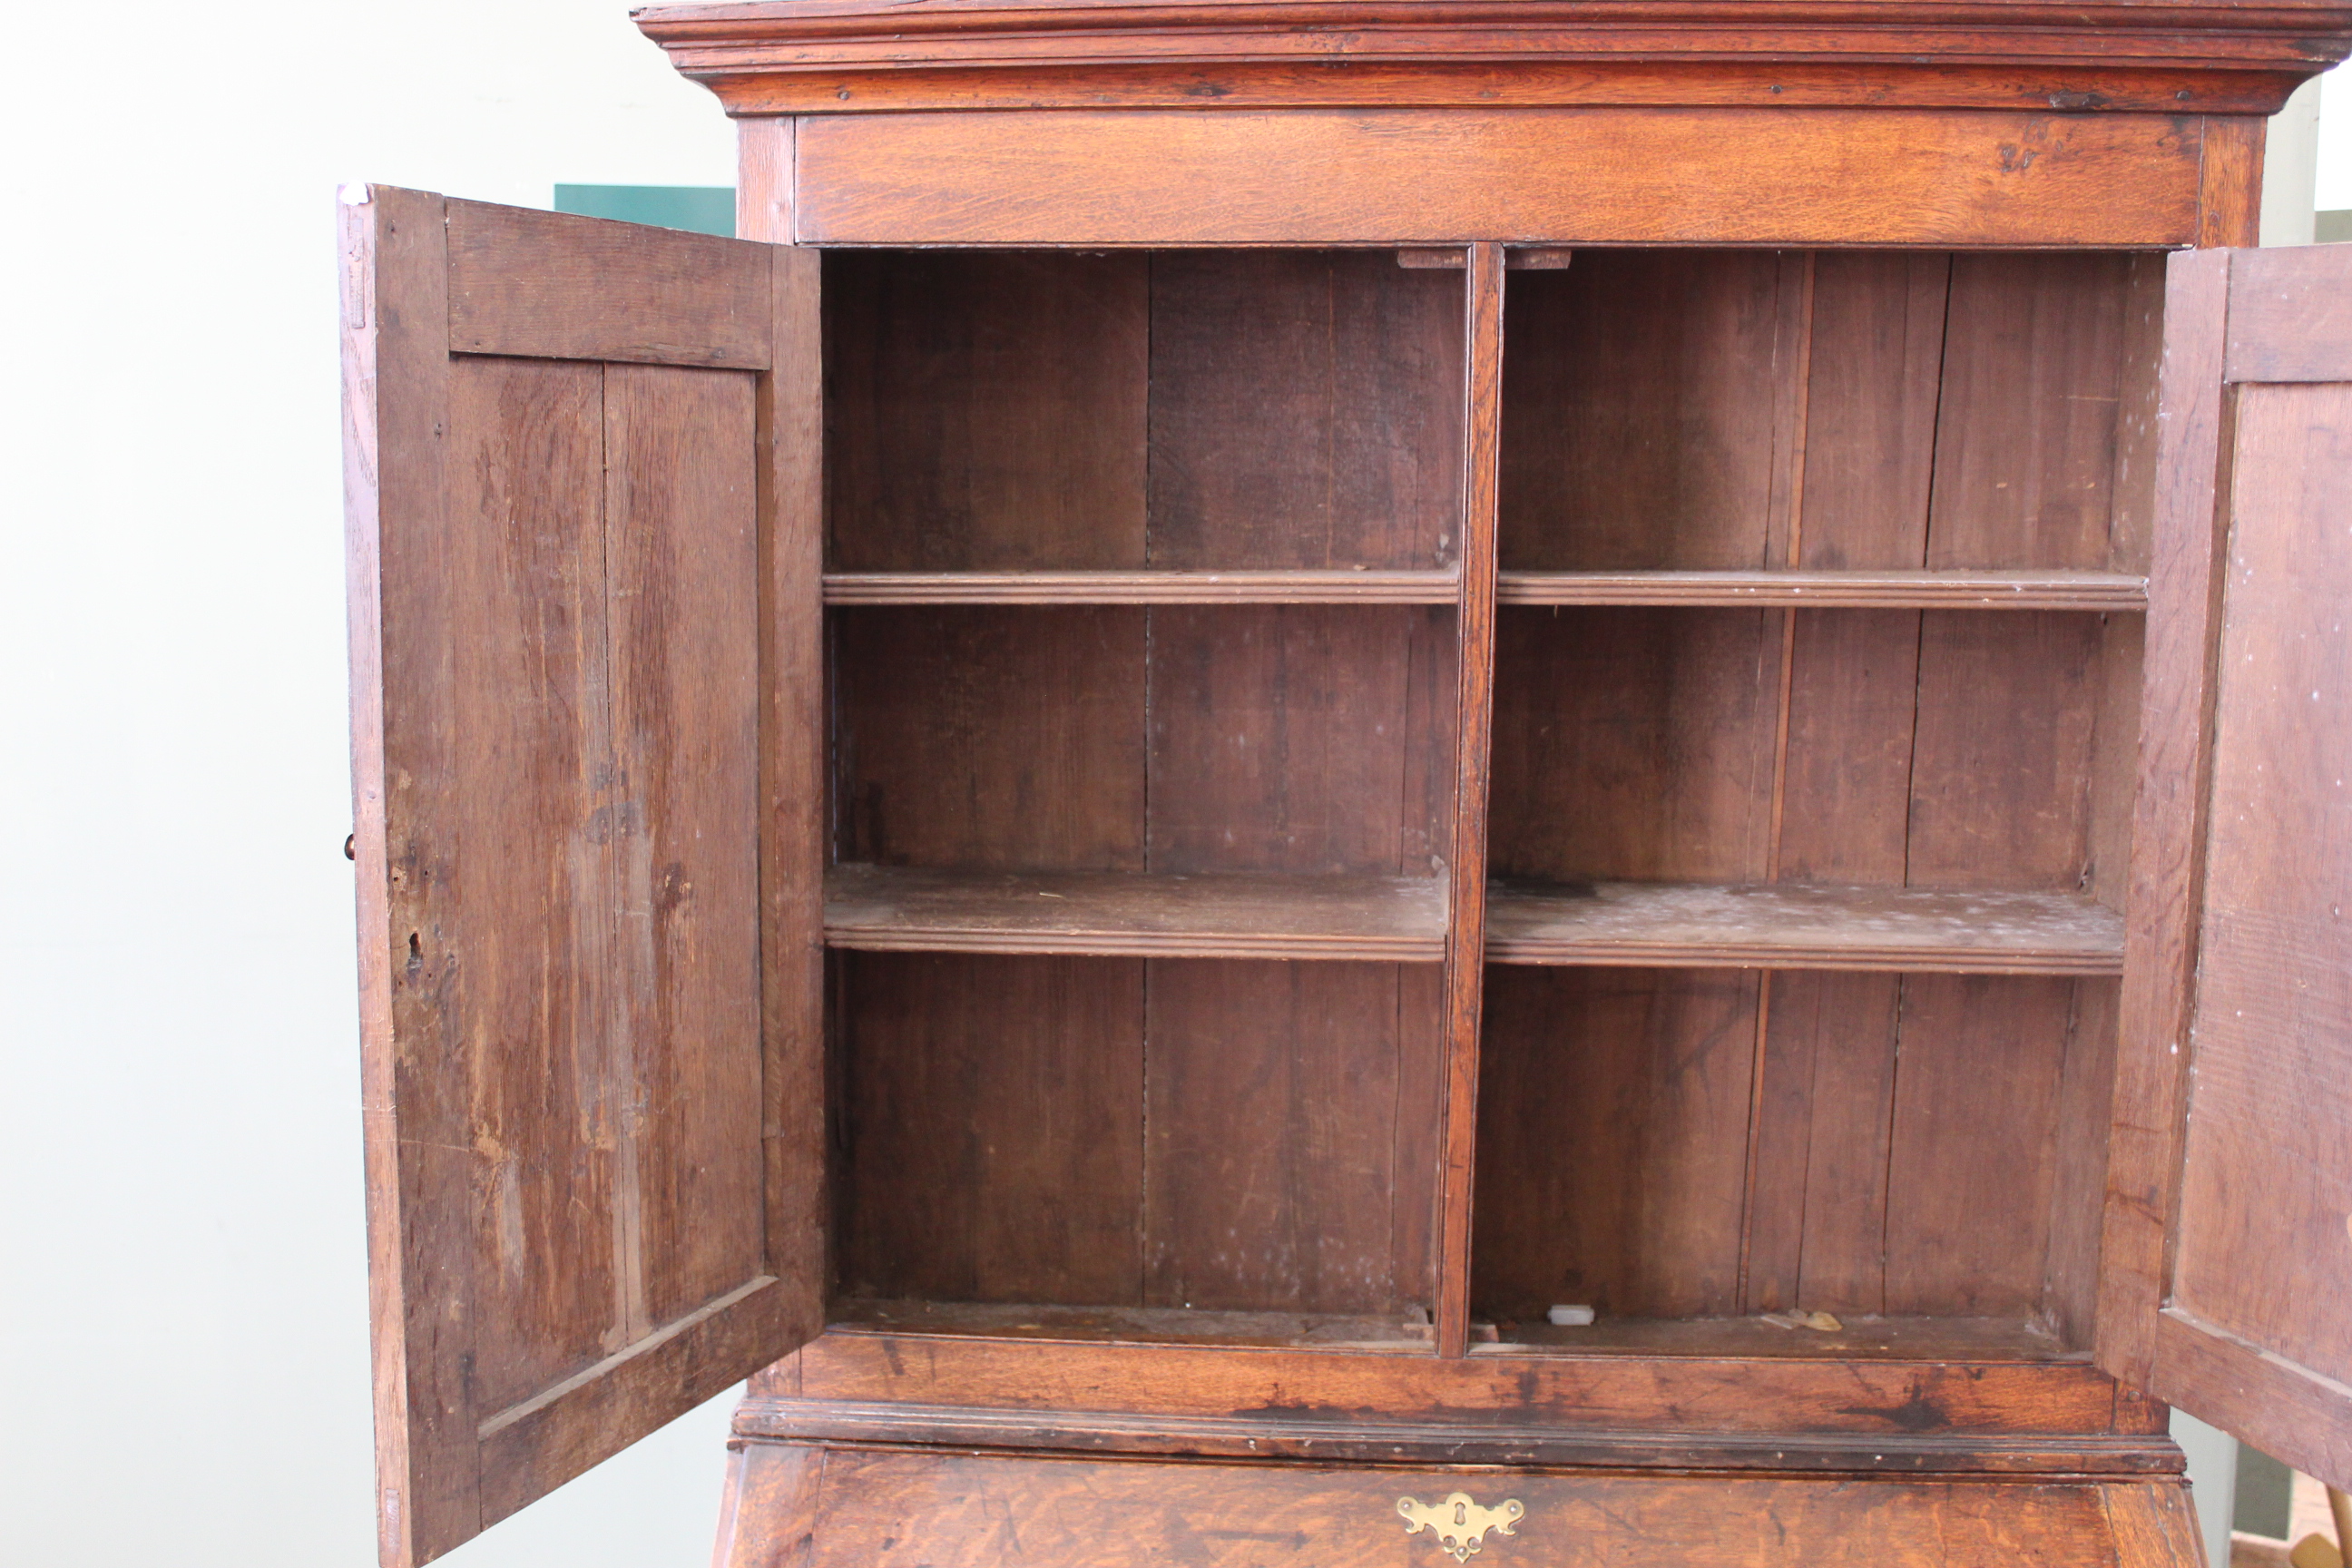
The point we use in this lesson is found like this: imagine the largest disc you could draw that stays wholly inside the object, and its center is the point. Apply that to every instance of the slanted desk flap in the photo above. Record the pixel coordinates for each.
(583, 589)
(2227, 1284)
(848, 1509)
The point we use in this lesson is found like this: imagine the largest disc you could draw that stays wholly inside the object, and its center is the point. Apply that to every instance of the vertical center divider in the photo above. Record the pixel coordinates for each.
(1465, 945)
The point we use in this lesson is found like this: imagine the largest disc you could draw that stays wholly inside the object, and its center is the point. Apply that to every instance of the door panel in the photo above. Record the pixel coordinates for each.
(575, 570)
(2236, 1092)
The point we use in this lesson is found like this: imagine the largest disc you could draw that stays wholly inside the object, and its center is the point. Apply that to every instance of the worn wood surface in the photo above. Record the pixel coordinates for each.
(565, 891)
(1169, 587)
(860, 57)
(1902, 590)
(1223, 915)
(2169, 809)
(914, 1507)
(1802, 925)
(1622, 176)
(1962, 1393)
(1466, 851)
(1374, 1441)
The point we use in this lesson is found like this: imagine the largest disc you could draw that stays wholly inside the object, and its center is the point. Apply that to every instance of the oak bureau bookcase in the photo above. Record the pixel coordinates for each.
(1264, 687)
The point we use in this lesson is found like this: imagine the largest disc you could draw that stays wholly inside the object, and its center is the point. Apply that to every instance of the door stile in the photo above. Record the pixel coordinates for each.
(2168, 823)
(414, 1105)
(1472, 756)
(792, 743)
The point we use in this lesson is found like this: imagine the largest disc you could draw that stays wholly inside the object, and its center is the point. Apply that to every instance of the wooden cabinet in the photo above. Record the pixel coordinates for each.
(1265, 689)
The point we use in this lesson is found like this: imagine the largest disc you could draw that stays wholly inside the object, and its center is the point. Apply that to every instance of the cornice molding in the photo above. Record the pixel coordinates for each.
(2175, 56)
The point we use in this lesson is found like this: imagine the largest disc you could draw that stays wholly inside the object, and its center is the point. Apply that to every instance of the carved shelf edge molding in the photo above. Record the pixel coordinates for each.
(835, 56)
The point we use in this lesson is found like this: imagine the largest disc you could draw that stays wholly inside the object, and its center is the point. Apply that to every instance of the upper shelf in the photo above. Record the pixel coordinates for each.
(1797, 925)
(910, 910)
(2029, 590)
(1302, 588)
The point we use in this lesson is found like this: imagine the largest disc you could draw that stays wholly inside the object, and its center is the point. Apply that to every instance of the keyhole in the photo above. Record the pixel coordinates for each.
(1461, 1513)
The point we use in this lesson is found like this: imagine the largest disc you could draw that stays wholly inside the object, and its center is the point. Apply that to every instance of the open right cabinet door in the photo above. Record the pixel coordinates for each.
(2227, 1273)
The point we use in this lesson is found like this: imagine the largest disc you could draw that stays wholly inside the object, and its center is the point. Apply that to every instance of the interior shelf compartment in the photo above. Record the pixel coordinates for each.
(1157, 587)
(1394, 1334)
(1891, 590)
(1801, 925)
(893, 909)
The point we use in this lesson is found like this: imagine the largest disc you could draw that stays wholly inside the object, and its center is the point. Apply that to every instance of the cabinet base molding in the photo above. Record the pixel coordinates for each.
(819, 1505)
(1376, 1442)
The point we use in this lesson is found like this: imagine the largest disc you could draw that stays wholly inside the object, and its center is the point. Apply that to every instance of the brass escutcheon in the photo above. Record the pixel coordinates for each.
(1459, 1524)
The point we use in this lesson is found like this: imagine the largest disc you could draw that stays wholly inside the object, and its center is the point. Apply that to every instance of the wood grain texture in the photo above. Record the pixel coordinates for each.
(555, 286)
(1380, 1441)
(1633, 744)
(991, 739)
(763, 182)
(768, 1506)
(2270, 1030)
(975, 1508)
(794, 803)
(2026, 425)
(855, 57)
(1305, 412)
(560, 582)
(1643, 1074)
(2289, 321)
(1715, 1396)
(1228, 914)
(2230, 180)
(1632, 176)
(1636, 434)
(1465, 842)
(2017, 590)
(992, 1127)
(1291, 1134)
(1155, 587)
(987, 412)
(1803, 926)
(2170, 804)
(1299, 739)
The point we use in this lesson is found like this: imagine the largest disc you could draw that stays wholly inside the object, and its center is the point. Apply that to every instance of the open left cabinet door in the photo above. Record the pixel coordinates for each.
(2227, 1271)
(582, 460)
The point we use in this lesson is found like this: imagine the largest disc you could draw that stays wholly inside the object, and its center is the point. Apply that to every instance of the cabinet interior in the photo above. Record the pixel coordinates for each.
(1805, 840)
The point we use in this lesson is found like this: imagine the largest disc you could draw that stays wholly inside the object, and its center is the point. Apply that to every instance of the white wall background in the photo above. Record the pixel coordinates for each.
(182, 1275)
(182, 1301)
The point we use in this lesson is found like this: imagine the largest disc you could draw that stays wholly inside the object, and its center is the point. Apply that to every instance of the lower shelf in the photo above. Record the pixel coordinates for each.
(1798, 925)
(1857, 1338)
(1784, 925)
(913, 910)
(1134, 1325)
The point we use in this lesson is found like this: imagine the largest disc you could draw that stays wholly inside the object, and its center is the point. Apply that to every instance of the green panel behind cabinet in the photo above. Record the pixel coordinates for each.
(706, 209)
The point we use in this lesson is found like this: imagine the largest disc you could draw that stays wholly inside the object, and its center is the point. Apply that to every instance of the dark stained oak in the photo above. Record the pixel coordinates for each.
(1088, 177)
(580, 1227)
(1207, 915)
(1800, 925)
(1848, 589)
(1081, 789)
(1159, 587)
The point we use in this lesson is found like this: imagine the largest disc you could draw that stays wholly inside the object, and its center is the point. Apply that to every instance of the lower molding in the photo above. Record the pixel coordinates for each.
(1379, 1442)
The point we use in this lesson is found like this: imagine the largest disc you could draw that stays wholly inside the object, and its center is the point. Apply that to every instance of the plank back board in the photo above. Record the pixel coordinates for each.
(589, 1092)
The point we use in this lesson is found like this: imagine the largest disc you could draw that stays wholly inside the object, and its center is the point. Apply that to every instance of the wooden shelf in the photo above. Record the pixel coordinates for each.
(901, 909)
(1801, 926)
(1866, 1338)
(1130, 1325)
(1141, 587)
(1832, 590)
